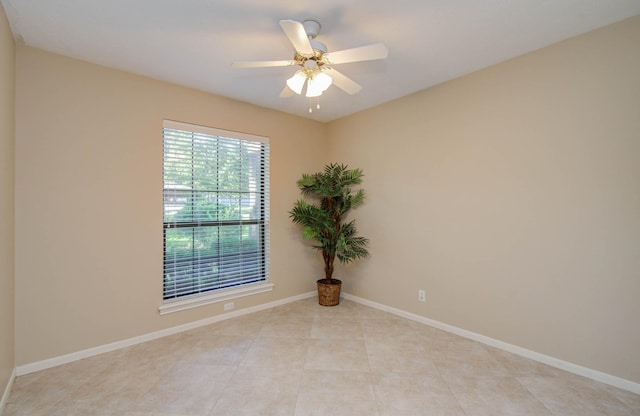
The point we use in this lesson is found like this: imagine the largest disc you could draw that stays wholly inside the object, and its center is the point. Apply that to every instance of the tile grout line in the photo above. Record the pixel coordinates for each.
(551, 412)
(238, 364)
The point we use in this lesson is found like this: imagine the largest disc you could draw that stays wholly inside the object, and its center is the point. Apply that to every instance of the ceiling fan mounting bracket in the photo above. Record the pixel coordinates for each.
(311, 28)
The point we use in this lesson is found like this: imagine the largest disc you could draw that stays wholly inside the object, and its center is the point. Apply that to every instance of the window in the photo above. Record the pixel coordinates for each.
(216, 210)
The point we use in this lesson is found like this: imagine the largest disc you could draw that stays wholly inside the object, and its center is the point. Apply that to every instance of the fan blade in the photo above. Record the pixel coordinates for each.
(343, 82)
(363, 53)
(286, 92)
(261, 64)
(298, 37)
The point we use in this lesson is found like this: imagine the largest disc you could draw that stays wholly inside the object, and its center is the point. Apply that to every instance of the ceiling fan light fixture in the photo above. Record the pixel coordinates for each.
(323, 79)
(313, 88)
(296, 82)
(318, 83)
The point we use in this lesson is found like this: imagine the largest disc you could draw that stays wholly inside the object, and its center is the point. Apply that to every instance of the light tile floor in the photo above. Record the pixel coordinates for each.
(305, 359)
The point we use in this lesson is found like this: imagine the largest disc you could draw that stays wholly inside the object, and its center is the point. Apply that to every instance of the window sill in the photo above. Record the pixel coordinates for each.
(219, 296)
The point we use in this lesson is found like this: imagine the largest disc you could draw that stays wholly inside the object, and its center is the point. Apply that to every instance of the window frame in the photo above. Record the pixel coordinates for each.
(232, 290)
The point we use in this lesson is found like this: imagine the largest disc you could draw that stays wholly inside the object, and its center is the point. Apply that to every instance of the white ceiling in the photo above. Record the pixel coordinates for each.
(194, 42)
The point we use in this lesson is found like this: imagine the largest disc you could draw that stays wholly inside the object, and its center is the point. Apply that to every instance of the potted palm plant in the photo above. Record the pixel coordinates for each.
(323, 219)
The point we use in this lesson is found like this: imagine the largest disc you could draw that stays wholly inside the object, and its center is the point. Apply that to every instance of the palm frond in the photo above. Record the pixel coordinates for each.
(323, 220)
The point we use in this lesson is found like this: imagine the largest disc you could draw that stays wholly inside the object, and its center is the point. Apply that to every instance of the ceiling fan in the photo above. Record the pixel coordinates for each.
(316, 71)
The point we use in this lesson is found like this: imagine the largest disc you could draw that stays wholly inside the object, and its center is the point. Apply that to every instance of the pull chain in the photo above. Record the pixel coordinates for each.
(311, 105)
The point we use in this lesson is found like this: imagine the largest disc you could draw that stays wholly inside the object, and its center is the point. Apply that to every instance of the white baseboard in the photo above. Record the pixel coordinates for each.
(7, 391)
(64, 359)
(545, 359)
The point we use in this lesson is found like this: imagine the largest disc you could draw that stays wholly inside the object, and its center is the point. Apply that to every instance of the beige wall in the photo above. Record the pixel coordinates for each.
(512, 196)
(89, 200)
(7, 90)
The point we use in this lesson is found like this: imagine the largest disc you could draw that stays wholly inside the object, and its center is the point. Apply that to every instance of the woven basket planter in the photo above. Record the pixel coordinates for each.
(329, 293)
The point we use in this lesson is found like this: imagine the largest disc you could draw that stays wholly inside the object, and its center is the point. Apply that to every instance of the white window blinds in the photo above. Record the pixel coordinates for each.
(216, 209)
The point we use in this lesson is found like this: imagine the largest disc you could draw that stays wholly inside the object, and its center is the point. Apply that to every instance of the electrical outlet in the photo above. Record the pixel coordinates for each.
(422, 296)
(229, 306)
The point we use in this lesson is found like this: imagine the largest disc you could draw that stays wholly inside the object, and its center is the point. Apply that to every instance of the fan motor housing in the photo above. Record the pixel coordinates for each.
(312, 28)
(319, 49)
